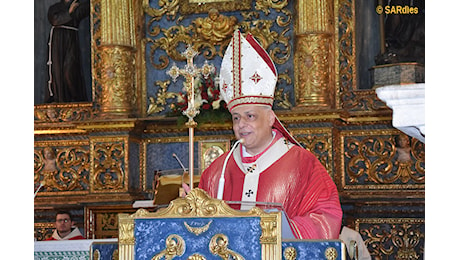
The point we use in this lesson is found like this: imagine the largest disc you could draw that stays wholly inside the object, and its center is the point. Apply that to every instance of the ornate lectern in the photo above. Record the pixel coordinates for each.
(200, 227)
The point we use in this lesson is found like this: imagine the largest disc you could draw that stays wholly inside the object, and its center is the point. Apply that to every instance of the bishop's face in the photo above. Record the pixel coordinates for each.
(254, 124)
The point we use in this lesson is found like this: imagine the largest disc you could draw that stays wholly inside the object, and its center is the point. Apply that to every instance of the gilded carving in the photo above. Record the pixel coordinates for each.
(290, 253)
(282, 99)
(350, 98)
(320, 144)
(96, 69)
(197, 230)
(382, 161)
(312, 60)
(215, 28)
(202, 6)
(167, 7)
(175, 246)
(117, 79)
(42, 231)
(107, 222)
(109, 166)
(63, 169)
(346, 49)
(219, 246)
(125, 230)
(97, 255)
(196, 256)
(331, 253)
(211, 35)
(115, 255)
(401, 238)
(265, 5)
(62, 113)
(197, 203)
(270, 227)
(158, 104)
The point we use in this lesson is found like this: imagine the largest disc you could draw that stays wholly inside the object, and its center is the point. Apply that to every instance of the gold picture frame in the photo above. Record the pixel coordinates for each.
(209, 150)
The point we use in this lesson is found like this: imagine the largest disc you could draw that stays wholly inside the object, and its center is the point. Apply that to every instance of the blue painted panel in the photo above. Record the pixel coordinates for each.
(243, 236)
(313, 249)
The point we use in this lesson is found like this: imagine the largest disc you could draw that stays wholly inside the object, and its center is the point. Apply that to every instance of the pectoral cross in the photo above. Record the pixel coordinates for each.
(190, 72)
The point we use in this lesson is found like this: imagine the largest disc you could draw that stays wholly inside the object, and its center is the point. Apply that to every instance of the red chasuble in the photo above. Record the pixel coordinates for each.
(287, 174)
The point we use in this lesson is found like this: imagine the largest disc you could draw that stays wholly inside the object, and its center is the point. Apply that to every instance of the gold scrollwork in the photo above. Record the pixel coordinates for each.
(108, 166)
(346, 53)
(406, 240)
(211, 35)
(197, 230)
(64, 169)
(175, 246)
(219, 246)
(383, 161)
(321, 146)
(403, 238)
(158, 104)
(290, 253)
(62, 113)
(202, 6)
(265, 5)
(282, 99)
(167, 7)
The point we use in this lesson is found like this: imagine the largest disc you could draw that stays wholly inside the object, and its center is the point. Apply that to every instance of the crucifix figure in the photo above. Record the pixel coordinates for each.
(190, 72)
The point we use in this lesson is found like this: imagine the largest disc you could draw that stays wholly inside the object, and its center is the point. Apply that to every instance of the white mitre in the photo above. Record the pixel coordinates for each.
(247, 74)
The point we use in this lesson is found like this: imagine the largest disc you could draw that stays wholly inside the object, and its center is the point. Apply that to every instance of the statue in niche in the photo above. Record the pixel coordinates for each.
(66, 81)
(216, 27)
(404, 34)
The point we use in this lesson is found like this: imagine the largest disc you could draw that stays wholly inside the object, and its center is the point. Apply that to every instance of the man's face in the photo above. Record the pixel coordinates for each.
(63, 223)
(254, 124)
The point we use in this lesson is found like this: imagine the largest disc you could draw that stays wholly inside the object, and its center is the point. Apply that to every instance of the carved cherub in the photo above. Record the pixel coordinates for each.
(216, 27)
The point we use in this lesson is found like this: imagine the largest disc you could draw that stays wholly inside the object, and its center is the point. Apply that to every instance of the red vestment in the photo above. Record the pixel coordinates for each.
(74, 235)
(289, 175)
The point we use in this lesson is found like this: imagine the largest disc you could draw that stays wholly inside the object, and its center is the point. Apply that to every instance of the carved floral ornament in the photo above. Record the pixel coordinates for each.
(197, 203)
(210, 36)
(62, 169)
(384, 159)
(403, 238)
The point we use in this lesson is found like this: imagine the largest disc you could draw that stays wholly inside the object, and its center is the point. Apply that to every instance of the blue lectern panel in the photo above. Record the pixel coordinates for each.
(314, 249)
(243, 235)
(105, 250)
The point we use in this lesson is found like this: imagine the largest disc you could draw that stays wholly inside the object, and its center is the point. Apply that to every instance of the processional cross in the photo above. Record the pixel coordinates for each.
(190, 72)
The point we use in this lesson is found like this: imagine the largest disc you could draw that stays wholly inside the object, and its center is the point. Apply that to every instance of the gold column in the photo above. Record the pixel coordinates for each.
(118, 58)
(313, 60)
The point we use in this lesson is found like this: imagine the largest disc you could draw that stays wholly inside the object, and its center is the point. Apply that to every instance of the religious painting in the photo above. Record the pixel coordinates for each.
(209, 150)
